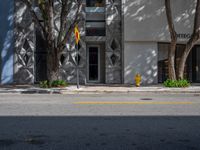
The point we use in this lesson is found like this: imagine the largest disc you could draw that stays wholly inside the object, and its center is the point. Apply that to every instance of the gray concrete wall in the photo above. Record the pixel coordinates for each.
(140, 57)
(24, 32)
(145, 20)
(6, 41)
(145, 25)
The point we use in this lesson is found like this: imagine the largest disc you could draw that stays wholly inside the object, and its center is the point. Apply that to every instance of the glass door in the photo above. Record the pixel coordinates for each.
(93, 64)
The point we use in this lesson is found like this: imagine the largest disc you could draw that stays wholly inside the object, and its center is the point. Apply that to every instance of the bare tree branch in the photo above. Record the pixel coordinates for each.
(63, 19)
(54, 44)
(70, 29)
(192, 41)
(172, 50)
(34, 15)
(197, 17)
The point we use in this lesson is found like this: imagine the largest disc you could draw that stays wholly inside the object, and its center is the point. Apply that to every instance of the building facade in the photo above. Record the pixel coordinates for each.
(119, 38)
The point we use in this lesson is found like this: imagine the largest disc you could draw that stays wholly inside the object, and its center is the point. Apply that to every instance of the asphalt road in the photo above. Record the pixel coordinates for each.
(100, 122)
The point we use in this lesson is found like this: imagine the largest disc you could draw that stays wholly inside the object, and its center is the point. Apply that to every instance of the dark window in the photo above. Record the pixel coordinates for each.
(94, 28)
(95, 3)
(95, 31)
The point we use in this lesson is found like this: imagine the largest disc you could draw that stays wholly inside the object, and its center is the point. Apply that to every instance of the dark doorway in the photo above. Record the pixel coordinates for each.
(163, 49)
(40, 59)
(192, 66)
(196, 63)
(93, 64)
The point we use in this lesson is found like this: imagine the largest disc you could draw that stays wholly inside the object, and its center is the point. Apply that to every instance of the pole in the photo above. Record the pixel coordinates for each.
(77, 69)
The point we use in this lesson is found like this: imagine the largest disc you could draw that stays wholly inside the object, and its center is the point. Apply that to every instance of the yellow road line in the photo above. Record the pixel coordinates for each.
(131, 103)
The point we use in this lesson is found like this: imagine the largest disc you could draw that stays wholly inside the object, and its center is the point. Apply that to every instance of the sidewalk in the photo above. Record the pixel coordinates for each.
(27, 89)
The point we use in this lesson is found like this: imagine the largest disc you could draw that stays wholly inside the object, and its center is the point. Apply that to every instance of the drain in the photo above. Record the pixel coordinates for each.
(146, 99)
(34, 141)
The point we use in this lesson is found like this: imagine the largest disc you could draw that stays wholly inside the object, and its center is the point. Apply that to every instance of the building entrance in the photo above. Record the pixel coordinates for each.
(196, 64)
(192, 66)
(93, 63)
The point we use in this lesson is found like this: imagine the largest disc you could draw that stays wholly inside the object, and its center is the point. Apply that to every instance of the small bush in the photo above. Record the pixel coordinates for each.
(176, 83)
(44, 84)
(59, 83)
(56, 83)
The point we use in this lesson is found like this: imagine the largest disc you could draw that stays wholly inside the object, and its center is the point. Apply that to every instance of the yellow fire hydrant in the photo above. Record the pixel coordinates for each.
(138, 79)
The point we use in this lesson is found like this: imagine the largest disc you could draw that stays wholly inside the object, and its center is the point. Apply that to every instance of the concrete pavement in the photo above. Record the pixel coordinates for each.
(72, 89)
(130, 121)
(118, 104)
(100, 133)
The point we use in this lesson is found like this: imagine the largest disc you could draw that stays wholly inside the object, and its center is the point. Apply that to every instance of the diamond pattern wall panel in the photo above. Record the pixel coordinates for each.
(69, 55)
(24, 45)
(113, 42)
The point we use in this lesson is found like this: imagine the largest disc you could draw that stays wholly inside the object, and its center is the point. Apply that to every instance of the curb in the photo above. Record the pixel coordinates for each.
(30, 92)
(129, 92)
(67, 91)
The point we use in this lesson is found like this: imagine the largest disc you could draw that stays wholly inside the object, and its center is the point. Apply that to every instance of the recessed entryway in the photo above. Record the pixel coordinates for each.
(196, 64)
(192, 66)
(95, 63)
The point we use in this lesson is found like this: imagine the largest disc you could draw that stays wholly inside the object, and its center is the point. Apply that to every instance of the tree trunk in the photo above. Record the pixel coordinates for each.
(184, 56)
(52, 66)
(171, 53)
(55, 44)
(192, 41)
(181, 66)
(171, 62)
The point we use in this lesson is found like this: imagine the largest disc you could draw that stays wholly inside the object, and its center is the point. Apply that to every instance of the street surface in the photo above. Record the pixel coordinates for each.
(100, 122)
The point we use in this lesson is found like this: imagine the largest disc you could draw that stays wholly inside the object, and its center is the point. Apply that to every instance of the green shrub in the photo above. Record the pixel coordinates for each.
(176, 83)
(45, 84)
(55, 83)
(59, 83)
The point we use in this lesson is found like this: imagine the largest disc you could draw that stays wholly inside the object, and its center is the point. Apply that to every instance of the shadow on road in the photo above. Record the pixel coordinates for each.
(100, 133)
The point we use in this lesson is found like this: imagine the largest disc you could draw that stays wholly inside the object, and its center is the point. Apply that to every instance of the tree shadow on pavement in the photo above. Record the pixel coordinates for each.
(100, 133)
